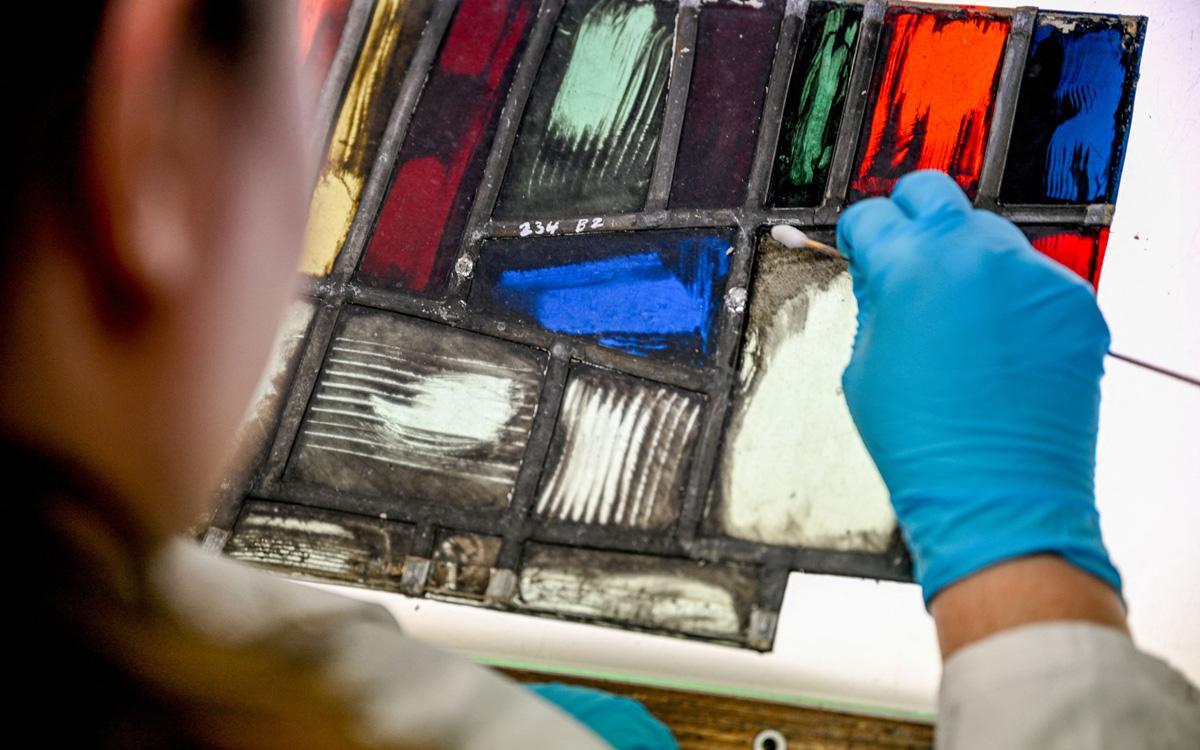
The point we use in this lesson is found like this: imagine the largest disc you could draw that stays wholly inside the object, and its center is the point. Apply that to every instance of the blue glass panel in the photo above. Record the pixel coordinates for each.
(653, 294)
(1073, 111)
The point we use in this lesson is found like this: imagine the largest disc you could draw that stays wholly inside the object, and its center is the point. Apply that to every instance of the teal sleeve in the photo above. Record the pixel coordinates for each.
(622, 722)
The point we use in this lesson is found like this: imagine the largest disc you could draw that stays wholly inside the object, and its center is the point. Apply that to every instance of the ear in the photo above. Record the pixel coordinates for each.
(143, 249)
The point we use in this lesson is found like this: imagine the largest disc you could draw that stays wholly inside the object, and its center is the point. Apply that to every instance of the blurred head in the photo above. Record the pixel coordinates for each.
(151, 236)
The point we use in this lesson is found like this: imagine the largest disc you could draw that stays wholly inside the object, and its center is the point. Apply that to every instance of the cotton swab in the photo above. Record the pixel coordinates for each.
(793, 238)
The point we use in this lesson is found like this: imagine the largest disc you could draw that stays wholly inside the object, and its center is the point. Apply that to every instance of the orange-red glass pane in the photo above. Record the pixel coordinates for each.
(931, 98)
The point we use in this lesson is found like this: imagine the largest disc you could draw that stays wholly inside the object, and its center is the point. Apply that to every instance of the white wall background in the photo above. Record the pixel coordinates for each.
(870, 646)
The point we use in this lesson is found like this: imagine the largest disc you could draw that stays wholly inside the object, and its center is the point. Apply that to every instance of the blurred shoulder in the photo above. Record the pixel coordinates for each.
(403, 691)
(237, 602)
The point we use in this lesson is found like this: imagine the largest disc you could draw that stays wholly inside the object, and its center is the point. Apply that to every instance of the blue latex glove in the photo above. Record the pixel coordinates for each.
(622, 722)
(975, 383)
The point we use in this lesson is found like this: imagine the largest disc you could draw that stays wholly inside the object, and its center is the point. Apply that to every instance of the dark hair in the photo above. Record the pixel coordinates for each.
(96, 645)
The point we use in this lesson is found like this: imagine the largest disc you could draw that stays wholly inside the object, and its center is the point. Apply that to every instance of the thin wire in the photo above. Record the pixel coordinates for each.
(1155, 368)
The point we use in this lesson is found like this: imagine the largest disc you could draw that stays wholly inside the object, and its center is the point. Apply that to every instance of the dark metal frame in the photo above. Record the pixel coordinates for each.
(695, 535)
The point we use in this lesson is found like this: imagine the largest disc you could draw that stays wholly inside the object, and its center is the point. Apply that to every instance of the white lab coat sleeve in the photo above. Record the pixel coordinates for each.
(1060, 686)
(402, 691)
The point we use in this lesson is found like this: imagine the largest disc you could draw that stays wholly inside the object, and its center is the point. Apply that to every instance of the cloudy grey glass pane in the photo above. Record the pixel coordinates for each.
(674, 596)
(321, 543)
(620, 451)
(462, 564)
(418, 411)
(793, 469)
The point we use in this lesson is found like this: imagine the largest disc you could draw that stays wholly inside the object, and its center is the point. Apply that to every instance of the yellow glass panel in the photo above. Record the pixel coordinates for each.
(335, 199)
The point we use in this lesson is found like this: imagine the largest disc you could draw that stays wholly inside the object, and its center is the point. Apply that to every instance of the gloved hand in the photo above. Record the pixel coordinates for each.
(975, 383)
(622, 722)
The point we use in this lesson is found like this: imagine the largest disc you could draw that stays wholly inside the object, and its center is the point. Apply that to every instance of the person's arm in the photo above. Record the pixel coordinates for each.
(1023, 591)
(975, 383)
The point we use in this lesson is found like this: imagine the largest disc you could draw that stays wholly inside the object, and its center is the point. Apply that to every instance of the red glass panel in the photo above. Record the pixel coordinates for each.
(1081, 250)
(423, 217)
